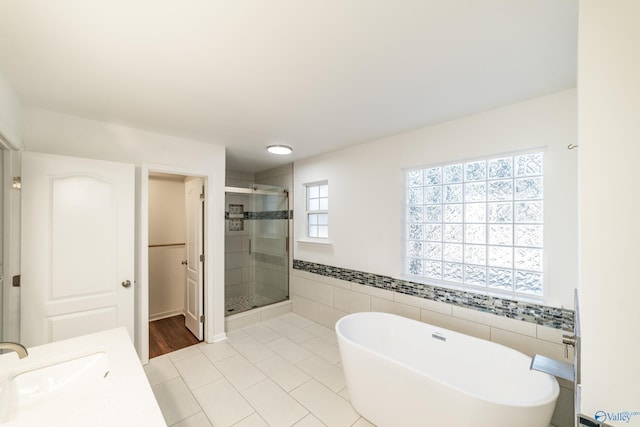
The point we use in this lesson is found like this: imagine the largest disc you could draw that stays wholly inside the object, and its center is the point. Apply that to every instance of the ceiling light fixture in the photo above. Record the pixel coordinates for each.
(281, 150)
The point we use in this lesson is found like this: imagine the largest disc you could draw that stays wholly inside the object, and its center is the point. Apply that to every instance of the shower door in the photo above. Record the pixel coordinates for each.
(256, 247)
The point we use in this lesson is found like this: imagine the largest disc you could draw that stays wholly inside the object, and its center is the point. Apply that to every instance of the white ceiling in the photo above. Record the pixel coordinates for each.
(314, 74)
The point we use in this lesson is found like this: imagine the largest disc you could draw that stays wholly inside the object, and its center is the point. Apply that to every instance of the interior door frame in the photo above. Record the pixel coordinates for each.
(10, 217)
(142, 288)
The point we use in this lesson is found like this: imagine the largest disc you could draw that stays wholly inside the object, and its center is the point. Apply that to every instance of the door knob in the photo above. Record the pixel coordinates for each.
(126, 284)
(184, 262)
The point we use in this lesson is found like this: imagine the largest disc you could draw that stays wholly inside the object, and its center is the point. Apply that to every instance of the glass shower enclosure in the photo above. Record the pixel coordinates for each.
(256, 247)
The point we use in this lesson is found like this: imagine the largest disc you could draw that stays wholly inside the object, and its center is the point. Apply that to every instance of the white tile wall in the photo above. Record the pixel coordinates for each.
(239, 179)
(281, 176)
(456, 324)
(325, 300)
(404, 310)
(350, 301)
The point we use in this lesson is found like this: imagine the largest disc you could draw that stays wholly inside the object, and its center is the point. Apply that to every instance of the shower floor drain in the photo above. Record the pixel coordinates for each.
(239, 304)
(242, 303)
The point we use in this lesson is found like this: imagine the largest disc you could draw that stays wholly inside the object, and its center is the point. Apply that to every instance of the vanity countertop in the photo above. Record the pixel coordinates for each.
(103, 384)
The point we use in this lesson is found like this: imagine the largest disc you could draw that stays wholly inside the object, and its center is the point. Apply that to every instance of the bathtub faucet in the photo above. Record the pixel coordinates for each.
(554, 367)
(14, 346)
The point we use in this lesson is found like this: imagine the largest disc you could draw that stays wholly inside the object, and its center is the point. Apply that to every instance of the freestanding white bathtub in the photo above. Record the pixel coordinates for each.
(401, 372)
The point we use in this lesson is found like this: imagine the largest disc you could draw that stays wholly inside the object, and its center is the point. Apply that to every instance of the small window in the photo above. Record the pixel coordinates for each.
(478, 223)
(318, 210)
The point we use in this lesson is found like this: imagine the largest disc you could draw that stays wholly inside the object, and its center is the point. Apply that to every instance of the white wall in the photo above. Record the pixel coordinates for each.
(609, 130)
(167, 222)
(10, 116)
(167, 216)
(366, 186)
(50, 132)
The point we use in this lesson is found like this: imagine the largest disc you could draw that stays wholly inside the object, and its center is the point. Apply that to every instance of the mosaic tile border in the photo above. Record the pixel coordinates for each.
(262, 215)
(558, 318)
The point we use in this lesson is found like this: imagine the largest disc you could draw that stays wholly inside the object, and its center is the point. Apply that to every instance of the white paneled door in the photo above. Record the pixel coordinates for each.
(77, 257)
(194, 193)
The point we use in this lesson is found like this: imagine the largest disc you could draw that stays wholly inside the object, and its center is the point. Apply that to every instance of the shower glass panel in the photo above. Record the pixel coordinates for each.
(256, 247)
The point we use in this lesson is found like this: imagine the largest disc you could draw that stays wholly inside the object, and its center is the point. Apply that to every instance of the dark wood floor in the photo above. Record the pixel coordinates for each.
(167, 335)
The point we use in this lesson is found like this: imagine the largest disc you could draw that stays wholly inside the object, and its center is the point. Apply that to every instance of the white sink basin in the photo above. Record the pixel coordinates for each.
(40, 388)
(93, 380)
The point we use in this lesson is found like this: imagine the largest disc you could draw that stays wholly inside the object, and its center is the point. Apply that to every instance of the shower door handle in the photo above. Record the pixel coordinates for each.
(249, 246)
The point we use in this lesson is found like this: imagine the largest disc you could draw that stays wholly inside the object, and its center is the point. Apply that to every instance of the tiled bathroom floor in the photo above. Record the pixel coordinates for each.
(284, 371)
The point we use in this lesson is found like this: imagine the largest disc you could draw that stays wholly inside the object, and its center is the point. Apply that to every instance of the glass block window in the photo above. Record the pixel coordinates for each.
(318, 210)
(478, 224)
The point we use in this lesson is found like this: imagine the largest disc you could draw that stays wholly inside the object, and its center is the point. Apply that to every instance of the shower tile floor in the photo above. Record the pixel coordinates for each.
(238, 304)
(285, 371)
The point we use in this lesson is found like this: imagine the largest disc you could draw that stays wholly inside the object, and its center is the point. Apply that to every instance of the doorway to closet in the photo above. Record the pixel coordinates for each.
(176, 236)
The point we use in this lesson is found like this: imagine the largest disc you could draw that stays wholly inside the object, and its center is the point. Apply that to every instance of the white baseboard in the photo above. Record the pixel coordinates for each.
(164, 315)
